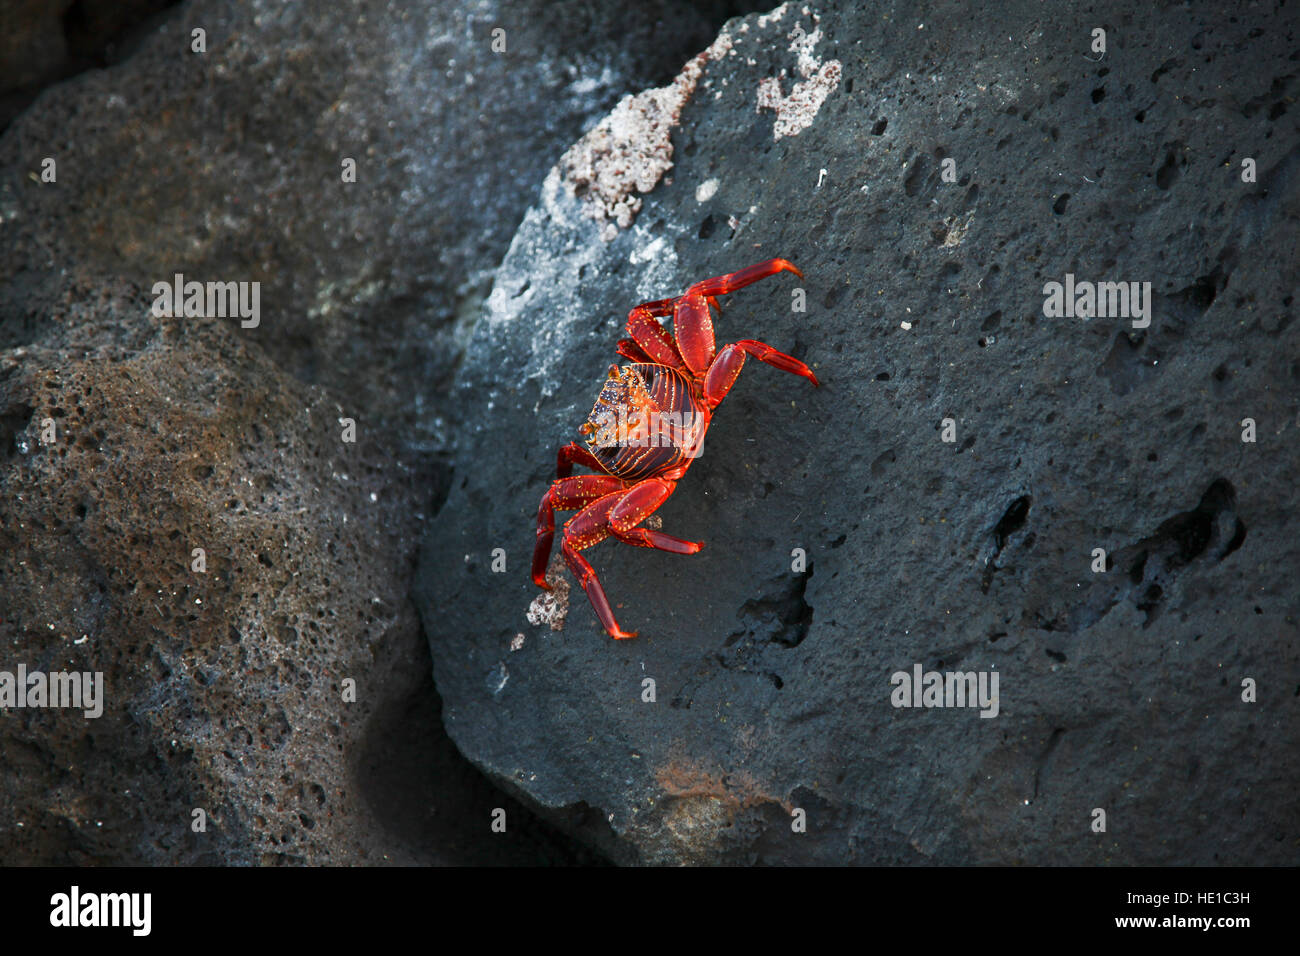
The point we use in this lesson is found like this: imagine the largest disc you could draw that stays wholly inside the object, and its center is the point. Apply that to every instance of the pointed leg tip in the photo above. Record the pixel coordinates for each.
(788, 266)
(623, 635)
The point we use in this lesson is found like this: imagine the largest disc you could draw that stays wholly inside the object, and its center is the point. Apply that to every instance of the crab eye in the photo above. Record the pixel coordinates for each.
(613, 371)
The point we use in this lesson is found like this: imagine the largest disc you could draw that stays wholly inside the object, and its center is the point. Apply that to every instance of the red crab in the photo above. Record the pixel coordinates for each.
(646, 428)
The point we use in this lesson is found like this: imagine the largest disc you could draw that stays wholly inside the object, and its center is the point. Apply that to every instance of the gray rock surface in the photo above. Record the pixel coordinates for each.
(223, 685)
(228, 164)
(1119, 690)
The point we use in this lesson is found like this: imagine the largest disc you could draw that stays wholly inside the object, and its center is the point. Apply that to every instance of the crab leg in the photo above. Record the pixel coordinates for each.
(722, 374)
(586, 576)
(646, 538)
(653, 338)
(572, 454)
(566, 494)
(629, 349)
(786, 363)
(693, 325)
(722, 285)
(591, 526)
(659, 307)
(617, 513)
(635, 506)
(692, 321)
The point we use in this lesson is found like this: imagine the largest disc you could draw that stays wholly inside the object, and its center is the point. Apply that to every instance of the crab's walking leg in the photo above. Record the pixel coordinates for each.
(586, 576)
(641, 501)
(693, 326)
(722, 374)
(629, 349)
(724, 371)
(572, 454)
(566, 494)
(659, 307)
(722, 285)
(786, 363)
(692, 321)
(652, 337)
(591, 526)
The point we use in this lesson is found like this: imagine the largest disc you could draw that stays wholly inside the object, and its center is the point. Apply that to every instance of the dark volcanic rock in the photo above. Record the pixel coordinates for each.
(32, 43)
(1119, 690)
(224, 686)
(176, 434)
(224, 680)
(44, 41)
(228, 165)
